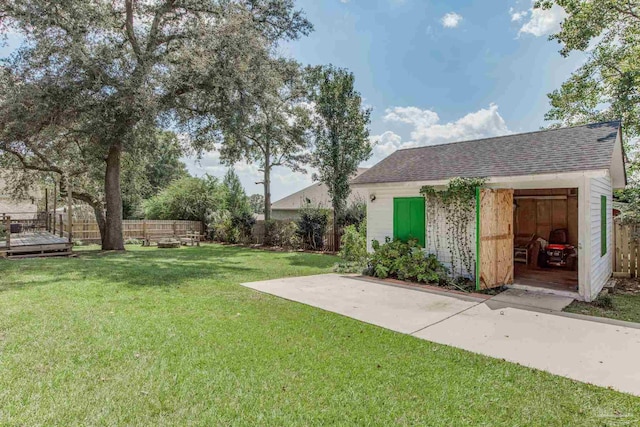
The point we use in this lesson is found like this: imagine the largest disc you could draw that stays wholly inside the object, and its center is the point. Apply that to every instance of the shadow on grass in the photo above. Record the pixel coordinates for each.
(153, 267)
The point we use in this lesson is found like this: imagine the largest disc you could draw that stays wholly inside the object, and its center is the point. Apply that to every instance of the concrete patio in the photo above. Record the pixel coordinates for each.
(586, 349)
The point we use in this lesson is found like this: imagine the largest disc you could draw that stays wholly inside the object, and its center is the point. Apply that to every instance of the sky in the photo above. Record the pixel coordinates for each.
(432, 71)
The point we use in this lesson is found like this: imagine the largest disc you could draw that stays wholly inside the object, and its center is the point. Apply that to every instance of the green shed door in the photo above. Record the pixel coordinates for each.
(408, 219)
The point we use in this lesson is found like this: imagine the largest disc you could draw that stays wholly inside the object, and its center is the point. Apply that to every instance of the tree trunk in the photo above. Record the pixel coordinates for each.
(112, 239)
(99, 213)
(267, 191)
(336, 231)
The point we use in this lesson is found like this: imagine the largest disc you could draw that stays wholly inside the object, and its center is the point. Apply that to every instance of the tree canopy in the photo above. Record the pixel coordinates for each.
(606, 86)
(106, 72)
(277, 128)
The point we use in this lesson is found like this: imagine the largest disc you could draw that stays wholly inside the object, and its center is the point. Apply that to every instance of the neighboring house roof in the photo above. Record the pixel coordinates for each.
(571, 149)
(317, 194)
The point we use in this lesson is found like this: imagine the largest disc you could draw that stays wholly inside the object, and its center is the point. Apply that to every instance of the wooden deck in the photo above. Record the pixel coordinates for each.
(35, 244)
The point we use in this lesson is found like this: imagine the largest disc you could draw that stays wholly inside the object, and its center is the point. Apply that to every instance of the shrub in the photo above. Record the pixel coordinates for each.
(312, 226)
(282, 233)
(405, 261)
(354, 214)
(242, 224)
(187, 199)
(288, 235)
(353, 249)
(219, 224)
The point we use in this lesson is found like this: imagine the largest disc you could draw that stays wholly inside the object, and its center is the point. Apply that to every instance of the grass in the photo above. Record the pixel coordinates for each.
(168, 337)
(622, 307)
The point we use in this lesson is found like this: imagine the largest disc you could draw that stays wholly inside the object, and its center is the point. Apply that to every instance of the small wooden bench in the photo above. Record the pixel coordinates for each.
(151, 237)
(192, 238)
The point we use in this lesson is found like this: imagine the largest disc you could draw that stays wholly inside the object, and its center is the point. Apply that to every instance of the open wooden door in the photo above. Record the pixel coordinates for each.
(495, 243)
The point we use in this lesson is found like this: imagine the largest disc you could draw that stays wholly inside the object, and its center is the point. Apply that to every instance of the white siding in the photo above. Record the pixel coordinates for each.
(600, 268)
(380, 225)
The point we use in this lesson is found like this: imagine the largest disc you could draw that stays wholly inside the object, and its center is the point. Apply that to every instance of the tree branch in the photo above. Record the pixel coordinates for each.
(129, 29)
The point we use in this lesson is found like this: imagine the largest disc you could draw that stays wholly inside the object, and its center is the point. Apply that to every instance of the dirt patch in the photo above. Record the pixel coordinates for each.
(627, 286)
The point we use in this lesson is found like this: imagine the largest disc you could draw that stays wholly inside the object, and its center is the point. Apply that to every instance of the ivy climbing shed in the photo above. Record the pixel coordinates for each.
(530, 210)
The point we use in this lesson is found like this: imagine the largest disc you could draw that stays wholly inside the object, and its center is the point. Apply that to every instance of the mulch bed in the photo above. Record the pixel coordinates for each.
(627, 286)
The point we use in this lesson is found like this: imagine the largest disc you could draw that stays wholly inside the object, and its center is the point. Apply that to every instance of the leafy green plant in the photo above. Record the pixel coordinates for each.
(242, 224)
(283, 234)
(312, 226)
(454, 207)
(187, 199)
(406, 261)
(604, 302)
(353, 249)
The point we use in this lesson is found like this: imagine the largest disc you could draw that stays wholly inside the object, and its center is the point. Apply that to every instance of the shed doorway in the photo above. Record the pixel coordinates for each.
(545, 243)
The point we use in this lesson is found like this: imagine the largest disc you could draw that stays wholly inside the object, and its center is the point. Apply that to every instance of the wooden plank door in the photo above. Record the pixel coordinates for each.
(496, 238)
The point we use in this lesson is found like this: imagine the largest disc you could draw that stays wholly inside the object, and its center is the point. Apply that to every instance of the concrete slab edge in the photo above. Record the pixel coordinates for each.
(469, 298)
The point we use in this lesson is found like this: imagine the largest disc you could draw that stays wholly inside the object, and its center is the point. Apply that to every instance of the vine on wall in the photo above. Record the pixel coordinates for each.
(457, 203)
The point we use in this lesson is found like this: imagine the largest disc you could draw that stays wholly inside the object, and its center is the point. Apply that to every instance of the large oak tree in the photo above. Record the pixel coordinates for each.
(105, 71)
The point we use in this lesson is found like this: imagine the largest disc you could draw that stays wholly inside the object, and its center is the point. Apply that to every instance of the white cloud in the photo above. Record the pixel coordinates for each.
(427, 129)
(543, 21)
(517, 16)
(451, 20)
(386, 144)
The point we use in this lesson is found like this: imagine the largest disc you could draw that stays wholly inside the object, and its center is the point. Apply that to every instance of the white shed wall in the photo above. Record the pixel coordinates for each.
(380, 226)
(601, 267)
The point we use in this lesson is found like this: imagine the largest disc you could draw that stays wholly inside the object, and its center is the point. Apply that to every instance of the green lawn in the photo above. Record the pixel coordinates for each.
(167, 337)
(624, 307)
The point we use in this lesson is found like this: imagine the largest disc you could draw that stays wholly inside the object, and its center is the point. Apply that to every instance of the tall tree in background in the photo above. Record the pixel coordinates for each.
(237, 200)
(109, 71)
(256, 201)
(607, 85)
(341, 133)
(277, 132)
(150, 169)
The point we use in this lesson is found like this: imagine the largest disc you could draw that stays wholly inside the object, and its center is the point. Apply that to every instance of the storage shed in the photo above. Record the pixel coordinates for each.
(543, 216)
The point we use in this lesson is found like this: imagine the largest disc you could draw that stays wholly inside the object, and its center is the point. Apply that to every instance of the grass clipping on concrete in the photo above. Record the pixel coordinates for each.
(168, 337)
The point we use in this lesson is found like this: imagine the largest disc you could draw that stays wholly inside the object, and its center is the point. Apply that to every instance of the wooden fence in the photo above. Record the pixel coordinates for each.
(258, 234)
(87, 230)
(626, 260)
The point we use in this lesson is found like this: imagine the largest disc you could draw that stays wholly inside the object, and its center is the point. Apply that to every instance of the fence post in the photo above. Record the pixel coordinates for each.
(61, 226)
(55, 206)
(175, 232)
(144, 228)
(8, 230)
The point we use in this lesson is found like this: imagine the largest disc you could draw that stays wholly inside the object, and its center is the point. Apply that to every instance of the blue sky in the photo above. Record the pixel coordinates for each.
(433, 71)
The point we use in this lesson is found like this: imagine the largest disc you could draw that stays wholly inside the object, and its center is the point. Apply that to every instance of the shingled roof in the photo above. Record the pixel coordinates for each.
(570, 149)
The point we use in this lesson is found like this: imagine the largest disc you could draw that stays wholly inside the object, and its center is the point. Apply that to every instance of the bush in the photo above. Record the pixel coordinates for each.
(406, 261)
(354, 214)
(187, 199)
(353, 249)
(312, 226)
(282, 233)
(219, 224)
(242, 225)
